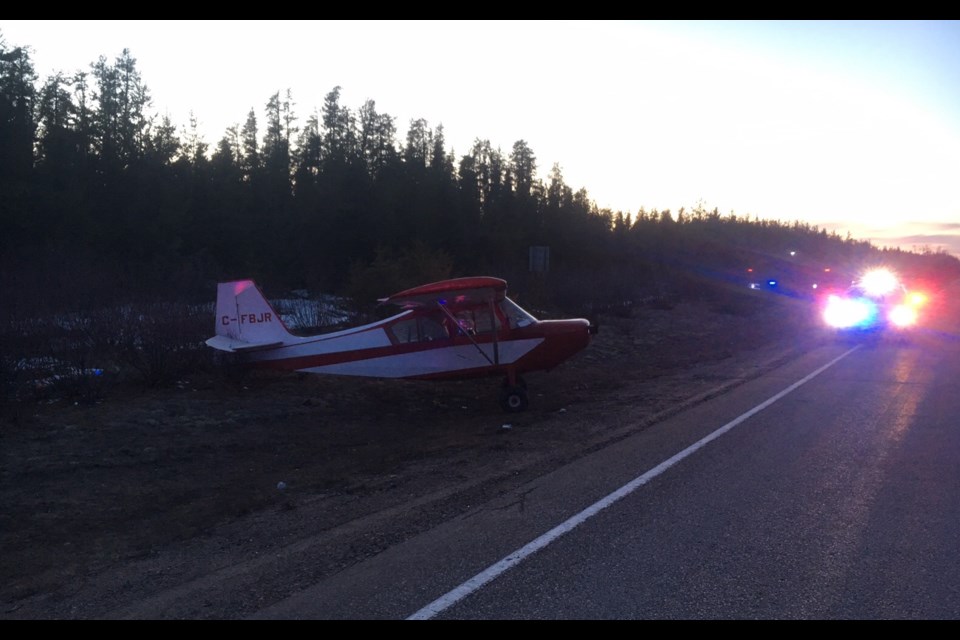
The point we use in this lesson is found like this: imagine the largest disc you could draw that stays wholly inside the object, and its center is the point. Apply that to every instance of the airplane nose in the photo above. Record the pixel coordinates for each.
(576, 333)
(561, 340)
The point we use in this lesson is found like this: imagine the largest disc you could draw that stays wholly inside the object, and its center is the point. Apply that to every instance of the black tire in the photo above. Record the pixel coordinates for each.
(513, 399)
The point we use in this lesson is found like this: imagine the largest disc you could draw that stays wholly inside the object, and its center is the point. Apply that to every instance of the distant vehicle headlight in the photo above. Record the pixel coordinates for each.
(849, 312)
(916, 299)
(879, 282)
(903, 315)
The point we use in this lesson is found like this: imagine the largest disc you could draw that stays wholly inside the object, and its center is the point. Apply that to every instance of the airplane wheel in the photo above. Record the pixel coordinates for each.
(513, 399)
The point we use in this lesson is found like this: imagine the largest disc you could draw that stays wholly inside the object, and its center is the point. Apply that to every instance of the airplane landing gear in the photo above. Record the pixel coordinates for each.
(513, 397)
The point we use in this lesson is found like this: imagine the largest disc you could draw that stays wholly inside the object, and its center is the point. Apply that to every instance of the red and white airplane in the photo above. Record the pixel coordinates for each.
(459, 328)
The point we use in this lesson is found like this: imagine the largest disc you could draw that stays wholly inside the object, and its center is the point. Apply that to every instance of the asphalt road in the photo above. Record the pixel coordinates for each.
(827, 489)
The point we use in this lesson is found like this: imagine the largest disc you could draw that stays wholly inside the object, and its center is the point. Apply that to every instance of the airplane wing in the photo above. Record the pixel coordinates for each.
(454, 291)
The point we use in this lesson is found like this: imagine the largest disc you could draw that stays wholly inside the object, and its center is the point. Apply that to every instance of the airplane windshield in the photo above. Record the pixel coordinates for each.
(517, 316)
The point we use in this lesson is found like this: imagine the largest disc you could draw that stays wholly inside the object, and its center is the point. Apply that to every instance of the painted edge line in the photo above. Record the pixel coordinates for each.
(495, 570)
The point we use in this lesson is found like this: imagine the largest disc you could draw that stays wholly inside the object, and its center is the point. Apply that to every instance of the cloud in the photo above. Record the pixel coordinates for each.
(907, 236)
(949, 242)
(921, 236)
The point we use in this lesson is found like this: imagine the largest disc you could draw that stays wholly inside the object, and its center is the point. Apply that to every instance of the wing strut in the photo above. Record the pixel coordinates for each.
(493, 325)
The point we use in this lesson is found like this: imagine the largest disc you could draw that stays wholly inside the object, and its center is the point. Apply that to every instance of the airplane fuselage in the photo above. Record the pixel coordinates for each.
(374, 351)
(459, 328)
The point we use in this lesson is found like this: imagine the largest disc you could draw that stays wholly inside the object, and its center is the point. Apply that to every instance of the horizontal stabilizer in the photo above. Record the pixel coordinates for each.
(225, 343)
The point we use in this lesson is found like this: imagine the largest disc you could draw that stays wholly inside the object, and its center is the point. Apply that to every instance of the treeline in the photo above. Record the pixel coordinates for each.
(104, 202)
(115, 226)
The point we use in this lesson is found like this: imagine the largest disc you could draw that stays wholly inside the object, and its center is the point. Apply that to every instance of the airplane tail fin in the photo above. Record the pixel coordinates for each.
(246, 320)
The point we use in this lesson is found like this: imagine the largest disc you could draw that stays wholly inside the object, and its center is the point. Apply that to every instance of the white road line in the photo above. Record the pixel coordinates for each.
(515, 558)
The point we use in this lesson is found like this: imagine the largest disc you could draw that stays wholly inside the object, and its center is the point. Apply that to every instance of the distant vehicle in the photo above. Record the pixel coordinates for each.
(457, 328)
(769, 283)
(877, 302)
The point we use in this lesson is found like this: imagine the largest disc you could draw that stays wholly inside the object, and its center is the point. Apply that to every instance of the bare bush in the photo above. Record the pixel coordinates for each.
(12, 362)
(162, 341)
(50, 358)
(80, 350)
(307, 315)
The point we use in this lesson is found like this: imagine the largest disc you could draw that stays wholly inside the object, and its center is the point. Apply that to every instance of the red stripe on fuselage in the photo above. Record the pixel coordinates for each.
(561, 340)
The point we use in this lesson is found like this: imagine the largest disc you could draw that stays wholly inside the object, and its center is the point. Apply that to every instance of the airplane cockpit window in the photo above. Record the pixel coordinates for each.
(465, 326)
(419, 329)
(406, 331)
(516, 316)
(478, 320)
(432, 329)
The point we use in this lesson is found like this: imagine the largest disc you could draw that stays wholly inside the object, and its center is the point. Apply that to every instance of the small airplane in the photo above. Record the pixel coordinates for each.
(452, 329)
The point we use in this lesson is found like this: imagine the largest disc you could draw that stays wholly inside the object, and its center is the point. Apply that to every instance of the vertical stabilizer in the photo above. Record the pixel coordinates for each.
(245, 319)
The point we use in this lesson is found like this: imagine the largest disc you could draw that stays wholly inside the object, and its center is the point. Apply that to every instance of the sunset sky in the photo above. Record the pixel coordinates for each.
(848, 125)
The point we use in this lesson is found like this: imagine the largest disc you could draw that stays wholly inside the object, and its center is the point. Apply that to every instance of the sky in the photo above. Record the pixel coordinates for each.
(851, 126)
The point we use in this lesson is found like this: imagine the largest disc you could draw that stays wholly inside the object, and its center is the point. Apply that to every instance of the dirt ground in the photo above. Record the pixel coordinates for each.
(217, 497)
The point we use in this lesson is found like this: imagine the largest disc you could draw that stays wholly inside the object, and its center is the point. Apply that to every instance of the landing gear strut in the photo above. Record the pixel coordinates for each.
(513, 395)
